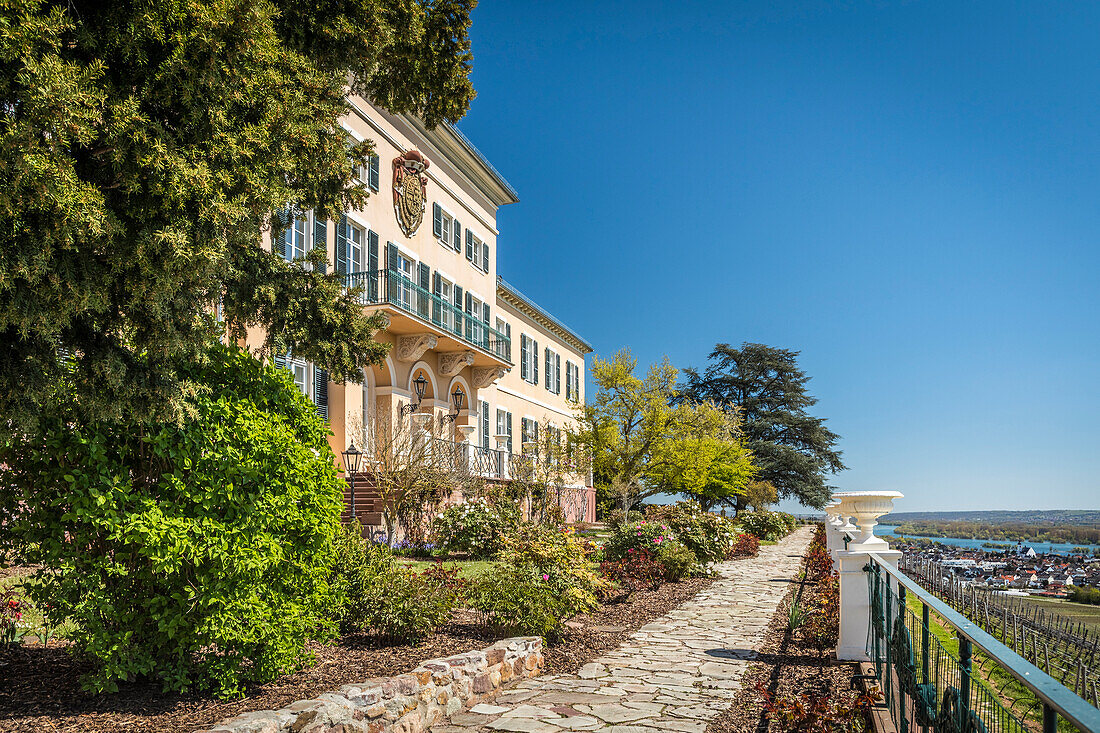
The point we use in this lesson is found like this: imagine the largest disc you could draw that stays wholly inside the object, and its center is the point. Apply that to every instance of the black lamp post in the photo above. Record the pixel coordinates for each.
(457, 397)
(418, 386)
(353, 461)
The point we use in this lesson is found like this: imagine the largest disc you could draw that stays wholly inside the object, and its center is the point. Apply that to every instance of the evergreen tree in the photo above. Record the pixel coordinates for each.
(792, 449)
(144, 147)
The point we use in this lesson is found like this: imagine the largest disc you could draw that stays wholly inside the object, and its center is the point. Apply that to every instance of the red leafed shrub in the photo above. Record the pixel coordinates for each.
(819, 561)
(822, 626)
(813, 713)
(746, 545)
(639, 569)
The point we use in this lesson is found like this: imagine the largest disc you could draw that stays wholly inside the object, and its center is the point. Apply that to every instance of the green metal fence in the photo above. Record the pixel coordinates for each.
(929, 674)
(388, 286)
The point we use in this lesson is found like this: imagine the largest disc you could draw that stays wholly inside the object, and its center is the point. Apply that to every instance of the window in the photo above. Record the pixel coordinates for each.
(528, 359)
(296, 239)
(404, 266)
(447, 294)
(477, 252)
(504, 430)
(446, 228)
(368, 174)
(483, 422)
(356, 237)
(312, 382)
(572, 382)
(553, 371)
(529, 434)
(475, 331)
(505, 329)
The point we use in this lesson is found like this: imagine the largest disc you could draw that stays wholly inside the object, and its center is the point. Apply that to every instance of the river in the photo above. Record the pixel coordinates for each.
(1042, 548)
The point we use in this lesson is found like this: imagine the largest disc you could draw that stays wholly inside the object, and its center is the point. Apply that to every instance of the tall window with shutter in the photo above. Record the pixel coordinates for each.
(320, 240)
(568, 380)
(504, 428)
(549, 375)
(437, 220)
(372, 266)
(372, 173)
(483, 426)
(523, 371)
(557, 373)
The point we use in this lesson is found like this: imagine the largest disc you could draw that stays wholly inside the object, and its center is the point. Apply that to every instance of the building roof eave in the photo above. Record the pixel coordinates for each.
(517, 299)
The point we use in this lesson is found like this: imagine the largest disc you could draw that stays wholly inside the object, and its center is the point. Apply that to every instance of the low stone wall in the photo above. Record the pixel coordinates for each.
(407, 703)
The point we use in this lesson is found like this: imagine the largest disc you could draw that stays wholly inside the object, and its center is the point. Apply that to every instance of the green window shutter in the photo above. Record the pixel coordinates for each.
(437, 220)
(320, 239)
(280, 361)
(535, 361)
(523, 356)
(391, 256)
(568, 379)
(458, 237)
(485, 313)
(372, 174)
(393, 292)
(279, 222)
(320, 392)
(372, 266)
(342, 246)
(437, 305)
(549, 370)
(424, 273)
(469, 245)
(485, 256)
(557, 373)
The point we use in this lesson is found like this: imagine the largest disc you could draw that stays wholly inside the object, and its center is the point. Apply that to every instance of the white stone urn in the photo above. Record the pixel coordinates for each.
(844, 515)
(467, 432)
(866, 507)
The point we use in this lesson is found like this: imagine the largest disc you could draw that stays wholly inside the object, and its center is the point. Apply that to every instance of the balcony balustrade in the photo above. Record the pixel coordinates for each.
(387, 287)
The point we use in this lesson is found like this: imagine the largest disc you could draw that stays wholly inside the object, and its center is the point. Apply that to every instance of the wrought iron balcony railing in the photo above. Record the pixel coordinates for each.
(932, 682)
(476, 459)
(389, 287)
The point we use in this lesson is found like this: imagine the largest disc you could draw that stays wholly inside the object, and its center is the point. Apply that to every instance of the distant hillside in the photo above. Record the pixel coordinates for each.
(1075, 517)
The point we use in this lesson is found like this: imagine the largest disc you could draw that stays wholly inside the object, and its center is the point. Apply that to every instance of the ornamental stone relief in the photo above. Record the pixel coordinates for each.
(485, 376)
(452, 362)
(411, 348)
(410, 190)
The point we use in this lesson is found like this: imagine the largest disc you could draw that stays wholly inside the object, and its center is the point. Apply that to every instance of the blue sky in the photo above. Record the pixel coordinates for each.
(906, 192)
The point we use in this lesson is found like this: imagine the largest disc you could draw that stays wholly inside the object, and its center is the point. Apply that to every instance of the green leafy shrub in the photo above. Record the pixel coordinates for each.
(822, 625)
(195, 553)
(709, 536)
(678, 560)
(766, 525)
(404, 605)
(375, 593)
(478, 527)
(544, 577)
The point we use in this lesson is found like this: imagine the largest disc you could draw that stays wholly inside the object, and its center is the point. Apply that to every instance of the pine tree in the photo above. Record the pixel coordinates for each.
(792, 449)
(143, 149)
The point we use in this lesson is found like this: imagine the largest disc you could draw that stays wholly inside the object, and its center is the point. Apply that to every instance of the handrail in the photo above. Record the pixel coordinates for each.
(394, 288)
(1053, 693)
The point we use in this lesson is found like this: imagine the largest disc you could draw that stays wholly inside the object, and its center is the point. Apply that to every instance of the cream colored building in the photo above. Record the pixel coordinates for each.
(465, 333)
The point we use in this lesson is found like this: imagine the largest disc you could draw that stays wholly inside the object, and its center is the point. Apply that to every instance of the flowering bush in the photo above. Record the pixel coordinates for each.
(708, 535)
(404, 605)
(640, 569)
(746, 545)
(654, 537)
(615, 517)
(477, 527)
(12, 606)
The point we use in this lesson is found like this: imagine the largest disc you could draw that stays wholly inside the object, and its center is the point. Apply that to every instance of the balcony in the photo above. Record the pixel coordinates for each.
(415, 306)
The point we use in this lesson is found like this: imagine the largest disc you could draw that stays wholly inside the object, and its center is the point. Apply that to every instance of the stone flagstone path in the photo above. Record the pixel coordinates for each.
(673, 674)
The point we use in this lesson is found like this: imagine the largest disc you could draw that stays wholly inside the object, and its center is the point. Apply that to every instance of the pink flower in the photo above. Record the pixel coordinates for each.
(545, 576)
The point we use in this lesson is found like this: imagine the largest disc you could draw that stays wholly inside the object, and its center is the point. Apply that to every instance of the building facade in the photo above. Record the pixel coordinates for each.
(473, 361)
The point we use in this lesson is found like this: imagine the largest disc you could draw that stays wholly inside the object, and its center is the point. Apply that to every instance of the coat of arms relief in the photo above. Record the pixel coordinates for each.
(410, 190)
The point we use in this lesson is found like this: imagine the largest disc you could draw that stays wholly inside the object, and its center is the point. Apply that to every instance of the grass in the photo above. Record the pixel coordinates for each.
(990, 675)
(468, 569)
(1077, 612)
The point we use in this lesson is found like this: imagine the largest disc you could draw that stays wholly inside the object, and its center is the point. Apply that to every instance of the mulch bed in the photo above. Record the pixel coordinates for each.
(787, 665)
(39, 688)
